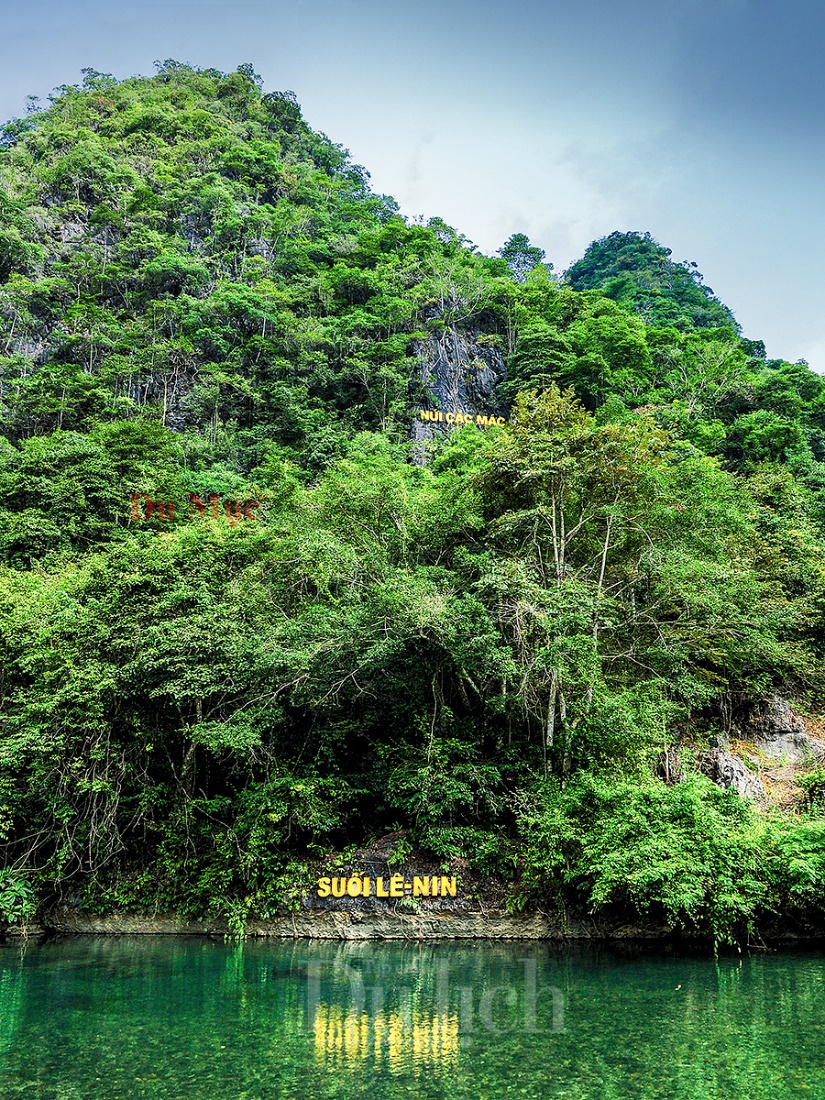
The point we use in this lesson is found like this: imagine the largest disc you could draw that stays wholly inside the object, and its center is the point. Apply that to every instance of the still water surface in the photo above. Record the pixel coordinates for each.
(155, 1018)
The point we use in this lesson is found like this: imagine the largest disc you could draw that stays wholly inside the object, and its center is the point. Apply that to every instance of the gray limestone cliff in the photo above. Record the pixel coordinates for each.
(781, 733)
(459, 371)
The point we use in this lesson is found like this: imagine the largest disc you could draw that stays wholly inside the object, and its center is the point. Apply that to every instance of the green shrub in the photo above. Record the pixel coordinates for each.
(689, 855)
(17, 902)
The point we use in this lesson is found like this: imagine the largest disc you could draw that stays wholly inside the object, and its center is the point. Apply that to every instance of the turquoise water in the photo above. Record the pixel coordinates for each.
(149, 1018)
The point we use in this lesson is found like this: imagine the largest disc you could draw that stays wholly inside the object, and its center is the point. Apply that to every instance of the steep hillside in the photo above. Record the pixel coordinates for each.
(258, 613)
(186, 245)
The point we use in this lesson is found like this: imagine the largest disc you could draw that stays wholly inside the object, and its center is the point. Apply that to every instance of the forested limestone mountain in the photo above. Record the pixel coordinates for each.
(514, 647)
(632, 269)
(188, 245)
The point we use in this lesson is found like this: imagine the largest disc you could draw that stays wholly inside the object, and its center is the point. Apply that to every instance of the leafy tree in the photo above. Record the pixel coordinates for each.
(521, 257)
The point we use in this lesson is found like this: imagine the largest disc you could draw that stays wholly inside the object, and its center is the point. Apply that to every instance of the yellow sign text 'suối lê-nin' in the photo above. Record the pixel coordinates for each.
(394, 886)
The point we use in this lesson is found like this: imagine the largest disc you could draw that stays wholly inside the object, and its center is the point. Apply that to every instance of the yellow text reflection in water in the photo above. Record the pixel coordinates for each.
(392, 1040)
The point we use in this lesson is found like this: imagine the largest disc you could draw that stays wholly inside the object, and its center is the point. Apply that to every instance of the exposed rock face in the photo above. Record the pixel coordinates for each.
(729, 771)
(776, 732)
(776, 729)
(458, 372)
(493, 925)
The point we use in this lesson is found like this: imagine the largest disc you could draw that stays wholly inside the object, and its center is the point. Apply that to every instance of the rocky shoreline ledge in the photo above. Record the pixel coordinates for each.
(358, 925)
(350, 925)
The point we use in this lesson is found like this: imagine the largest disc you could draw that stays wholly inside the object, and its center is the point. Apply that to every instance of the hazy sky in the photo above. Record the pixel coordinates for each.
(694, 119)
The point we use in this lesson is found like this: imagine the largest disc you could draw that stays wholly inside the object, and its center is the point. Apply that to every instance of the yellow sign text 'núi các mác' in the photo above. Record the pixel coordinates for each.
(438, 416)
(393, 886)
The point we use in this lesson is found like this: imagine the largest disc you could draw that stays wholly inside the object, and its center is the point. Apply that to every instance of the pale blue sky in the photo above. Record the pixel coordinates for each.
(698, 120)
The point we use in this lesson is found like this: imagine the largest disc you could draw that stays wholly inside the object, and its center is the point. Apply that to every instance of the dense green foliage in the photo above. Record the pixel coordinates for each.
(634, 270)
(489, 650)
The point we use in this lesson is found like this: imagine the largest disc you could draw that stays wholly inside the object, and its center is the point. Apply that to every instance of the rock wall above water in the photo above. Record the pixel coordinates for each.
(351, 925)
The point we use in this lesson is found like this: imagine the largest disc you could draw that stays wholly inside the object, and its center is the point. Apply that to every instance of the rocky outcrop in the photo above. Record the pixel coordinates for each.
(459, 370)
(776, 729)
(730, 772)
(771, 740)
(493, 925)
